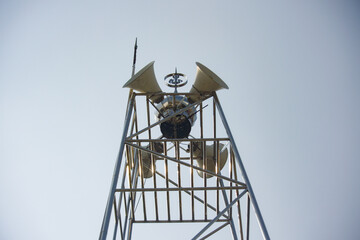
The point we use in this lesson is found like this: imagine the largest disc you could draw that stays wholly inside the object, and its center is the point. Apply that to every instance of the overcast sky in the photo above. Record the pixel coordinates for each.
(292, 68)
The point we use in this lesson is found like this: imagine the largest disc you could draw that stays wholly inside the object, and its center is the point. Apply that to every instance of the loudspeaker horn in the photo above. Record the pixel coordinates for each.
(210, 158)
(144, 81)
(206, 81)
(146, 167)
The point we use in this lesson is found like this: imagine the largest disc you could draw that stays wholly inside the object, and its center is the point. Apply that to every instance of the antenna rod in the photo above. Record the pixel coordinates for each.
(134, 59)
(133, 68)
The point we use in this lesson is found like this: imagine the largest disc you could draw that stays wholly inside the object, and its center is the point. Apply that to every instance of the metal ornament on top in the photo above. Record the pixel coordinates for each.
(180, 125)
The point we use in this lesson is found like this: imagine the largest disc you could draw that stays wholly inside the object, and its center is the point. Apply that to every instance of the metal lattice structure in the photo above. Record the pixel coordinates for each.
(167, 180)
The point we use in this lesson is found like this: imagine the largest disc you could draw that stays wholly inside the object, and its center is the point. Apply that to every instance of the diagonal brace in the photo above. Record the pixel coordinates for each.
(219, 215)
(168, 117)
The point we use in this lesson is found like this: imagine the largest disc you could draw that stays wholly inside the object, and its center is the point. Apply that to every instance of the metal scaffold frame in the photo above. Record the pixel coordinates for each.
(173, 193)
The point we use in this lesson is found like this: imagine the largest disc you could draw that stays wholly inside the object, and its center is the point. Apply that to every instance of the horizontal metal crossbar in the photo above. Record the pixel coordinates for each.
(177, 189)
(179, 140)
(179, 221)
(169, 94)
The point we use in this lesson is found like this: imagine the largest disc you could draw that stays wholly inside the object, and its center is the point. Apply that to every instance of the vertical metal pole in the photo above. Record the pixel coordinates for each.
(201, 121)
(107, 214)
(130, 229)
(132, 195)
(205, 177)
(192, 180)
(232, 225)
(167, 181)
(177, 156)
(248, 219)
(152, 158)
(142, 185)
(243, 172)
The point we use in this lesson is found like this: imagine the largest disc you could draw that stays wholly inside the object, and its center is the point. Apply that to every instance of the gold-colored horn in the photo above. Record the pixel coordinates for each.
(206, 81)
(144, 81)
(210, 161)
(147, 170)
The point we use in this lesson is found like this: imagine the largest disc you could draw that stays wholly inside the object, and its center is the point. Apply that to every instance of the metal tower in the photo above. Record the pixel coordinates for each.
(182, 166)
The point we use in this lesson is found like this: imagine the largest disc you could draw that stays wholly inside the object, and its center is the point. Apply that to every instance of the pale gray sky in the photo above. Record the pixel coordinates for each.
(293, 105)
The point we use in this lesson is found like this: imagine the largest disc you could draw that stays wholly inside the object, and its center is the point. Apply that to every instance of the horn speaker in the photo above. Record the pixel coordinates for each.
(146, 168)
(210, 161)
(144, 81)
(206, 81)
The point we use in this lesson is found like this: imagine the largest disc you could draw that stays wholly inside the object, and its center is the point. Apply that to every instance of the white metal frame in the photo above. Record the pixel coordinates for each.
(129, 204)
